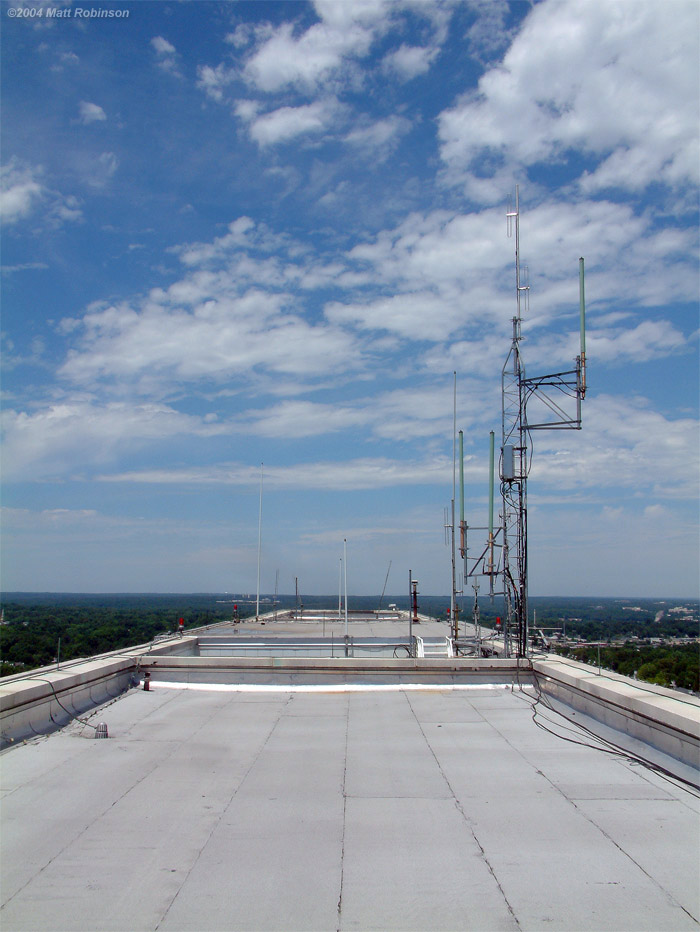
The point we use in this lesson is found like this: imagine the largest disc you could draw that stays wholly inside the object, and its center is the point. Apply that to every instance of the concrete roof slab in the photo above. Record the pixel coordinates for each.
(223, 810)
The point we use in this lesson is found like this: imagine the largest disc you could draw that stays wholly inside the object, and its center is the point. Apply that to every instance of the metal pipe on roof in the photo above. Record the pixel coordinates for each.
(257, 599)
(345, 566)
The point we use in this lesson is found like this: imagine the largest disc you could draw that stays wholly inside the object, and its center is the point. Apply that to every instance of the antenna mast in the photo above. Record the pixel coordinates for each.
(551, 414)
(514, 467)
(257, 598)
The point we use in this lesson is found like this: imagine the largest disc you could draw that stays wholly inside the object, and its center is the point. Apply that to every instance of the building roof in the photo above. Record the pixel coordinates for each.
(434, 808)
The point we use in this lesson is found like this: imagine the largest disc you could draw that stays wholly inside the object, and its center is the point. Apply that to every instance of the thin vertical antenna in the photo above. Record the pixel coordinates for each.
(454, 434)
(517, 251)
(491, 471)
(410, 611)
(582, 310)
(340, 588)
(453, 600)
(461, 493)
(257, 599)
(386, 580)
(345, 566)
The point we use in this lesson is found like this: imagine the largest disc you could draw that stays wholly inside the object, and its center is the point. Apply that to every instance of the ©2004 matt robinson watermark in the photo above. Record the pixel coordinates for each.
(74, 12)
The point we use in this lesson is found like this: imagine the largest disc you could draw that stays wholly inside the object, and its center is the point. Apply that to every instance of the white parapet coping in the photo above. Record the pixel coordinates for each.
(46, 700)
(49, 698)
(666, 719)
(236, 667)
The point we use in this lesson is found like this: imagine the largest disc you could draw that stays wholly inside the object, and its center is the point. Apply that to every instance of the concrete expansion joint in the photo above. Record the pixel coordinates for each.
(345, 805)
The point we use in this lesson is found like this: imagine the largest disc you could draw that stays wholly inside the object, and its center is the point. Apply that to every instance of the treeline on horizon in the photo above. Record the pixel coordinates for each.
(89, 624)
(676, 666)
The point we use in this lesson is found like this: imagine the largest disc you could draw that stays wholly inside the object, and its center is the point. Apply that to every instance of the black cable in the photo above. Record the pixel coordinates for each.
(645, 689)
(67, 711)
(608, 747)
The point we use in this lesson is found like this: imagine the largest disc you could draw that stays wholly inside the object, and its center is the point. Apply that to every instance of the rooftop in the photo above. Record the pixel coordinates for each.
(381, 802)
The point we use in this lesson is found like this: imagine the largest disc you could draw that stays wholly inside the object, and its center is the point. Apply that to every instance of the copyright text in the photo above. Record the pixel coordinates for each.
(57, 12)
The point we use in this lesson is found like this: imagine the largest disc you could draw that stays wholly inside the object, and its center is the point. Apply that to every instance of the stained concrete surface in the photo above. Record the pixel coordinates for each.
(362, 811)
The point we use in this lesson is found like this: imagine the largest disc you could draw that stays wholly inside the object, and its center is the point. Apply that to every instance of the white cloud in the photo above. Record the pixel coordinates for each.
(213, 81)
(488, 34)
(78, 433)
(614, 80)
(19, 193)
(363, 473)
(223, 336)
(309, 60)
(651, 339)
(241, 306)
(91, 113)
(345, 15)
(624, 444)
(379, 139)
(166, 56)
(439, 275)
(303, 419)
(402, 415)
(162, 46)
(415, 315)
(22, 192)
(409, 61)
(289, 122)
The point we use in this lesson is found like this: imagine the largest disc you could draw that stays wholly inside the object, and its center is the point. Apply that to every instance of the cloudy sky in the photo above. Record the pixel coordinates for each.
(239, 233)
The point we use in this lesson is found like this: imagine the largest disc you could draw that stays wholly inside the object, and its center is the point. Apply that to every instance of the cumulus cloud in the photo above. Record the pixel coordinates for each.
(166, 55)
(162, 46)
(202, 329)
(615, 81)
(409, 61)
(307, 61)
(78, 433)
(22, 192)
(91, 113)
(626, 444)
(439, 273)
(213, 81)
(19, 192)
(287, 123)
(379, 139)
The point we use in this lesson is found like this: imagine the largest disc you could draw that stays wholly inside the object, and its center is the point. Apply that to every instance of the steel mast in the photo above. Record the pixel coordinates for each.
(514, 468)
(553, 413)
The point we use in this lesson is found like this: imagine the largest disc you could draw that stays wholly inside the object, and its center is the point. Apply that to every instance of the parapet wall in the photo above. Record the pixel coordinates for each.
(49, 699)
(663, 718)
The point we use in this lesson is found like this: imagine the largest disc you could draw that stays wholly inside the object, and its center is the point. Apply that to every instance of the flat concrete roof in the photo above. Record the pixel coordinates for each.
(359, 625)
(435, 809)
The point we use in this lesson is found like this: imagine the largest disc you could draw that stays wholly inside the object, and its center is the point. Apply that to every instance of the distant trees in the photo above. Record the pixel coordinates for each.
(92, 624)
(30, 633)
(675, 665)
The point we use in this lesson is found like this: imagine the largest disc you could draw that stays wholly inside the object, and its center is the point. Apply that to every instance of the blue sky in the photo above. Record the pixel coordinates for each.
(245, 233)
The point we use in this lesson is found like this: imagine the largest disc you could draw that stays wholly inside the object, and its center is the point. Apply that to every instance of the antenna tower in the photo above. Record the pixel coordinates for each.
(556, 405)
